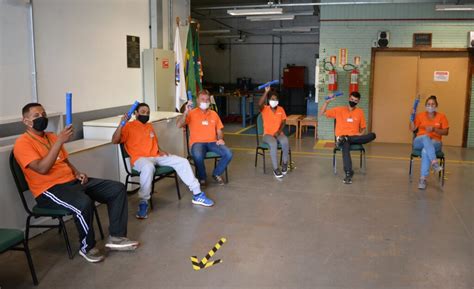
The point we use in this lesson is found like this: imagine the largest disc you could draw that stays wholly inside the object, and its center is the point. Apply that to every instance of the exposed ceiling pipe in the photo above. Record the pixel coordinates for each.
(312, 4)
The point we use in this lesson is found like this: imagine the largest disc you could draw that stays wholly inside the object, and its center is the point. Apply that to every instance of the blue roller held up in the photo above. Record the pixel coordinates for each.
(130, 112)
(335, 94)
(68, 108)
(415, 106)
(270, 83)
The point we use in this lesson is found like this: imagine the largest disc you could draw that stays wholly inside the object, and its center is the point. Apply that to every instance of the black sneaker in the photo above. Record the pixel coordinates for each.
(348, 179)
(340, 140)
(284, 169)
(278, 173)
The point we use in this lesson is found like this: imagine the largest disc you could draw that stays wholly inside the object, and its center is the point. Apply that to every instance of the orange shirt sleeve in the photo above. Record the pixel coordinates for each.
(124, 134)
(444, 122)
(417, 121)
(219, 124)
(283, 114)
(331, 113)
(25, 153)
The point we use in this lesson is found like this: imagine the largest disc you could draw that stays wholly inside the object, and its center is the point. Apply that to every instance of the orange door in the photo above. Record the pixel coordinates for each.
(451, 94)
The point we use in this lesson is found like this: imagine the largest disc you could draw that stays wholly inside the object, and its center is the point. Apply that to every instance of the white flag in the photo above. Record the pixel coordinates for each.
(180, 81)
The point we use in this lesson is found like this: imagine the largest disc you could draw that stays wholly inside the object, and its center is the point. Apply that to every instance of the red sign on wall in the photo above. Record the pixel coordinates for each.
(165, 63)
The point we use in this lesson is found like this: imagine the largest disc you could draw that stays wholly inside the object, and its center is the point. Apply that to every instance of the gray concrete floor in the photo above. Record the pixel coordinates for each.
(307, 231)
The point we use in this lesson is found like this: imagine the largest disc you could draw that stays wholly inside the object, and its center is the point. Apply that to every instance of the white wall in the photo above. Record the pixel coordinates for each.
(15, 57)
(81, 47)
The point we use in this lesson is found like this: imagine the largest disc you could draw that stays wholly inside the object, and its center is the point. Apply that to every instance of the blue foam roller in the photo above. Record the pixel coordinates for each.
(68, 108)
(130, 112)
(335, 94)
(415, 105)
(270, 83)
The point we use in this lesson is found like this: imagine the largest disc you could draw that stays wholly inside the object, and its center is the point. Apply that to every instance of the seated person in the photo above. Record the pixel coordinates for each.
(205, 129)
(141, 143)
(57, 184)
(274, 119)
(430, 126)
(350, 128)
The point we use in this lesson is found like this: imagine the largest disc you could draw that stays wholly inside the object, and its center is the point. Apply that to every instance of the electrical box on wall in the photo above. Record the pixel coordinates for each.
(294, 76)
(470, 39)
(159, 79)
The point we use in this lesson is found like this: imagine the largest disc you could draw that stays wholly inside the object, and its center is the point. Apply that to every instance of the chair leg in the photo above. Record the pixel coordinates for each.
(27, 229)
(177, 185)
(99, 224)
(151, 194)
(256, 156)
(30, 262)
(226, 176)
(411, 168)
(443, 171)
(66, 239)
(334, 162)
(263, 154)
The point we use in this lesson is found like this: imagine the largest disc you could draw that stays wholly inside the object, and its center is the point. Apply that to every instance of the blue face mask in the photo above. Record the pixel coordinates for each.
(430, 109)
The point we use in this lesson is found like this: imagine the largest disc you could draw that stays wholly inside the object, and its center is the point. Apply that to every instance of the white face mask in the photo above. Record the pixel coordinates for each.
(430, 109)
(273, 103)
(204, 105)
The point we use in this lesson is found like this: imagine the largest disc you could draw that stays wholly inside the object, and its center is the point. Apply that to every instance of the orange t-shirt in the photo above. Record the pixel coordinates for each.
(203, 126)
(347, 122)
(439, 121)
(272, 120)
(140, 140)
(28, 148)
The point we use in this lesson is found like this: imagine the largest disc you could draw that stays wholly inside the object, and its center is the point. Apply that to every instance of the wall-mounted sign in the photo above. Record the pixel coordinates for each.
(332, 59)
(133, 51)
(356, 60)
(441, 76)
(421, 39)
(165, 63)
(342, 56)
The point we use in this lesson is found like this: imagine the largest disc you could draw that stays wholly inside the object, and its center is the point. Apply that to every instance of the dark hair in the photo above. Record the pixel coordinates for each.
(141, 105)
(355, 94)
(26, 108)
(433, 97)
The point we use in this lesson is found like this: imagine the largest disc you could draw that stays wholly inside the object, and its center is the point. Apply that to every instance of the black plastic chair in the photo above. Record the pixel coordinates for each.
(37, 212)
(161, 172)
(417, 154)
(353, 147)
(11, 239)
(209, 156)
(262, 147)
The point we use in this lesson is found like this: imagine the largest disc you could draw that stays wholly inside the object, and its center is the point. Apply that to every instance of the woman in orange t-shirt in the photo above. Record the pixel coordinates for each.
(430, 126)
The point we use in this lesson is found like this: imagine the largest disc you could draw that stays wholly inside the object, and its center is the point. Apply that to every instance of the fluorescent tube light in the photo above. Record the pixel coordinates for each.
(216, 31)
(271, 17)
(295, 29)
(264, 11)
(454, 7)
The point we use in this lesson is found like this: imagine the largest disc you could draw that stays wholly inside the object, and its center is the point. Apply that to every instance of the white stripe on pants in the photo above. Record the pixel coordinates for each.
(146, 167)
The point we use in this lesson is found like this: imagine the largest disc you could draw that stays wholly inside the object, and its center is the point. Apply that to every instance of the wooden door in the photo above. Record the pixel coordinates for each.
(451, 94)
(395, 81)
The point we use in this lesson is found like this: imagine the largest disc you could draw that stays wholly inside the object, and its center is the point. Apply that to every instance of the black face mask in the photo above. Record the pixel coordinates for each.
(143, 118)
(352, 103)
(40, 123)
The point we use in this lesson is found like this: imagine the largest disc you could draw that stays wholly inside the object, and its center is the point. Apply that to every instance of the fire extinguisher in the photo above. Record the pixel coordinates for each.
(332, 83)
(354, 84)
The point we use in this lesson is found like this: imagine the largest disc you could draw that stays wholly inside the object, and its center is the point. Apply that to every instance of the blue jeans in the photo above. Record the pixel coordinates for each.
(428, 148)
(198, 152)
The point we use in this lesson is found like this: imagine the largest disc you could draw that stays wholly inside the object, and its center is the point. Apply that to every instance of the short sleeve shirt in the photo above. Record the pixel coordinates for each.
(347, 122)
(203, 126)
(439, 121)
(272, 119)
(140, 140)
(29, 147)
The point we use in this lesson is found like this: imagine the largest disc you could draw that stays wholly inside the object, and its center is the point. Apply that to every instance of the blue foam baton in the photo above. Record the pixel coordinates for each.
(130, 112)
(190, 97)
(68, 108)
(335, 94)
(415, 105)
(270, 83)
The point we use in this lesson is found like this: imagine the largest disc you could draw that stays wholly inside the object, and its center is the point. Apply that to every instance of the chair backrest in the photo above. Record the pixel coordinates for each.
(186, 130)
(335, 132)
(259, 127)
(20, 181)
(125, 158)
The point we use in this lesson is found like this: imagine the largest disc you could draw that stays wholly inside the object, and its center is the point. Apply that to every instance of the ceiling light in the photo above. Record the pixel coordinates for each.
(271, 17)
(454, 7)
(295, 29)
(264, 11)
(216, 31)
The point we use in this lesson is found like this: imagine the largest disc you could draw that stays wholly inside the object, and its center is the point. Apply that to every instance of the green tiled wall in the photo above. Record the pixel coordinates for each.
(358, 36)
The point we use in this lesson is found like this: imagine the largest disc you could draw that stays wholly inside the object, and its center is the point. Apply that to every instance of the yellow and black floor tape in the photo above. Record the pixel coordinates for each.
(205, 263)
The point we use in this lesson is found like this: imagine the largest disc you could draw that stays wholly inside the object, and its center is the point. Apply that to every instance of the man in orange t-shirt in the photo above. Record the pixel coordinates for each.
(274, 119)
(141, 143)
(206, 135)
(350, 128)
(57, 184)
